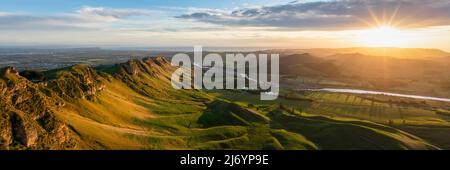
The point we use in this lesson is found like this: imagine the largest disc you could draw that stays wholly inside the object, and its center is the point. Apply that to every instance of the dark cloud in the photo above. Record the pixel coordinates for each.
(333, 14)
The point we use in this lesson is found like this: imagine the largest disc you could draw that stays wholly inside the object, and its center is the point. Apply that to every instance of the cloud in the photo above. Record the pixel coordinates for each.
(339, 14)
(86, 18)
(11, 21)
(113, 14)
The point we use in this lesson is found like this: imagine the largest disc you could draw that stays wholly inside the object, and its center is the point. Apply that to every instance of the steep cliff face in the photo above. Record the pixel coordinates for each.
(150, 76)
(27, 119)
(152, 66)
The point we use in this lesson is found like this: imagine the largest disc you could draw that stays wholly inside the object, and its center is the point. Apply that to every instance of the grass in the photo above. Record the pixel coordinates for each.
(143, 111)
(390, 111)
(332, 134)
(110, 69)
(351, 106)
(443, 112)
(292, 141)
(224, 113)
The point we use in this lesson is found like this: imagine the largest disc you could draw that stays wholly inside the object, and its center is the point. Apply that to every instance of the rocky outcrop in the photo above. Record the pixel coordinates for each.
(8, 71)
(149, 76)
(152, 66)
(131, 67)
(28, 108)
(22, 131)
(27, 117)
(157, 66)
(78, 82)
(5, 130)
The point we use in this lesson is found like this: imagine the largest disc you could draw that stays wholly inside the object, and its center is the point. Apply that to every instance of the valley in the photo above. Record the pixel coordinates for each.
(132, 105)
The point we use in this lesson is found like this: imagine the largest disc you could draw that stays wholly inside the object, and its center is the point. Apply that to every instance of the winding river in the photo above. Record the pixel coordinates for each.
(355, 91)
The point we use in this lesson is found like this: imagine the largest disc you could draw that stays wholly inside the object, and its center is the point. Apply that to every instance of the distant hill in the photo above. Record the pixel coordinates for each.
(306, 64)
(411, 53)
(414, 75)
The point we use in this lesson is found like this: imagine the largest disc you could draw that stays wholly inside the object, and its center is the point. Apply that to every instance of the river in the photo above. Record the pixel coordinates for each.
(355, 91)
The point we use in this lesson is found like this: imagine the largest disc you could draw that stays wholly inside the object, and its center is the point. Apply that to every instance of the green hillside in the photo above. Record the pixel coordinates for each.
(133, 106)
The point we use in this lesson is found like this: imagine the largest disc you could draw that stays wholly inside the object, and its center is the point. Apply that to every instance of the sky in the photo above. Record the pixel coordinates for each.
(226, 23)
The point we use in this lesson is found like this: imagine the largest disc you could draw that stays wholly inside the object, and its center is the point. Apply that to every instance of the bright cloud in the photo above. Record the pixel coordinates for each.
(340, 14)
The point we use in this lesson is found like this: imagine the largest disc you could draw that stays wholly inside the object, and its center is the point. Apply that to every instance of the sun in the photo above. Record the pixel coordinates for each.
(384, 36)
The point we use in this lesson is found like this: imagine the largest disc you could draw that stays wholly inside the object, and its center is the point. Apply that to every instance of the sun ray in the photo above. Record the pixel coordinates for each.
(394, 15)
(372, 15)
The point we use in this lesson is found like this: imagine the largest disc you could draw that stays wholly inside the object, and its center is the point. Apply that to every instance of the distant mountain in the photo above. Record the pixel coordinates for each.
(411, 53)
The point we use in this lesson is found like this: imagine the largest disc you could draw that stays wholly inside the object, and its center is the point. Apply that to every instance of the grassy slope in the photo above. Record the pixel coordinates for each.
(146, 123)
(140, 110)
(412, 116)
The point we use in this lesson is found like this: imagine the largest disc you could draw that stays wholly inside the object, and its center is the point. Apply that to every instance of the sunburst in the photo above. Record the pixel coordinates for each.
(384, 36)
